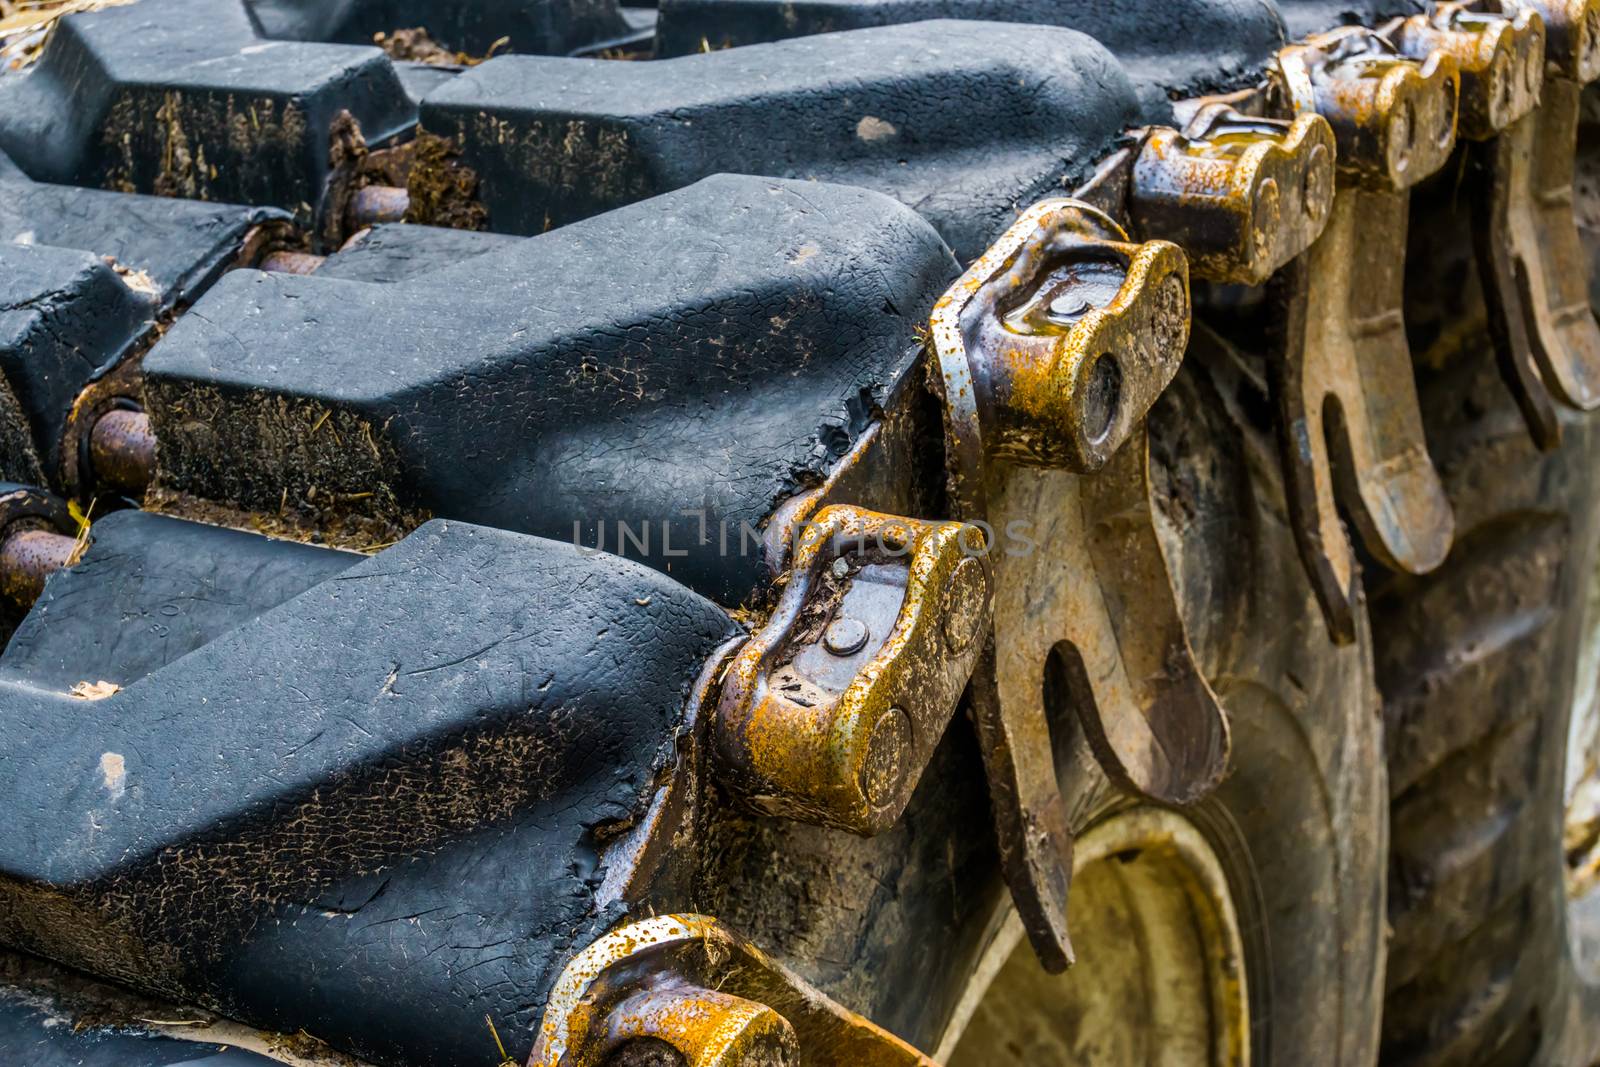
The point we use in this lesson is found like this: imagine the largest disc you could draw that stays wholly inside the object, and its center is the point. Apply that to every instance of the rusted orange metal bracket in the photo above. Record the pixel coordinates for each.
(831, 712)
(1342, 373)
(1536, 56)
(690, 984)
(1242, 195)
(1050, 350)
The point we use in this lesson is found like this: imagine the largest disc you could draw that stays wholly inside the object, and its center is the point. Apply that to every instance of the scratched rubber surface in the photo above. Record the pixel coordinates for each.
(312, 751)
(961, 134)
(1194, 46)
(668, 350)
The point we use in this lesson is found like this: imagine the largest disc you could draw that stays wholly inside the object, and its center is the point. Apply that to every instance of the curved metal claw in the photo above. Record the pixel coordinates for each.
(831, 711)
(714, 999)
(1344, 364)
(1080, 570)
(1241, 195)
(1150, 715)
(1533, 264)
(1098, 591)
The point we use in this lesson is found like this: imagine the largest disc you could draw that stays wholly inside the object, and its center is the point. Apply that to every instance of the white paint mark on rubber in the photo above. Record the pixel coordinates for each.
(872, 128)
(114, 769)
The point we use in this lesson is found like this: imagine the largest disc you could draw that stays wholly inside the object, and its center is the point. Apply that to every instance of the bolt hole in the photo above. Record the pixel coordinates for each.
(1402, 131)
(1102, 395)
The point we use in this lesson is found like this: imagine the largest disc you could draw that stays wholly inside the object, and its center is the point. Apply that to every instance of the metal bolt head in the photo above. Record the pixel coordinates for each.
(884, 769)
(1070, 307)
(845, 636)
(963, 605)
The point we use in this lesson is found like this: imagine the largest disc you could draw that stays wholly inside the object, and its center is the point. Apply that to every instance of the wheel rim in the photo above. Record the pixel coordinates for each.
(1160, 978)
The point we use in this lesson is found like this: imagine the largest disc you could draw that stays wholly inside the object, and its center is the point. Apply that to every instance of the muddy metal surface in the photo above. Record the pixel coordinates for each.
(515, 556)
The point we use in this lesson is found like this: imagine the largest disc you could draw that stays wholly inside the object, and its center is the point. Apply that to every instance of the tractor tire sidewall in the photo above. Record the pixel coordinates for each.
(1300, 821)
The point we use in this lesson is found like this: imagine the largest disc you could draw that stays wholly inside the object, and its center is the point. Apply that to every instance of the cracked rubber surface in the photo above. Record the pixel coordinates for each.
(663, 355)
(965, 135)
(1195, 46)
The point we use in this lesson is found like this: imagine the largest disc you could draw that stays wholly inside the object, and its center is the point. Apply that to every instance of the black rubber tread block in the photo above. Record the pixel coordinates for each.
(396, 251)
(542, 27)
(965, 121)
(185, 98)
(1457, 848)
(369, 812)
(1304, 17)
(1182, 47)
(64, 315)
(180, 246)
(680, 365)
(83, 273)
(1476, 662)
(1507, 595)
(1473, 1003)
(152, 590)
(32, 1035)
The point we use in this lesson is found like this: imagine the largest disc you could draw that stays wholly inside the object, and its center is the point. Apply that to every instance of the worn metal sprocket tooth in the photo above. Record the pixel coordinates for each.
(832, 710)
(1384, 472)
(1032, 826)
(1533, 263)
(1175, 748)
(1091, 582)
(1241, 195)
(1342, 374)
